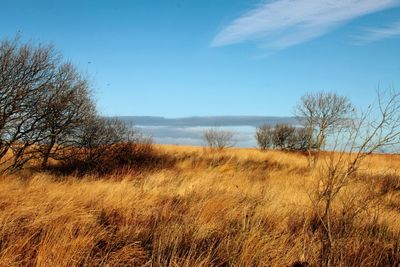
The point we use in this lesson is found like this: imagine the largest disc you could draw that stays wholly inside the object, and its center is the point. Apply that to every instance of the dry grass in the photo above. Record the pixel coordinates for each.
(240, 207)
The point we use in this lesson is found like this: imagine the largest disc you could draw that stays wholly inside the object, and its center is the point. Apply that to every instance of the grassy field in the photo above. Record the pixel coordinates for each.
(239, 207)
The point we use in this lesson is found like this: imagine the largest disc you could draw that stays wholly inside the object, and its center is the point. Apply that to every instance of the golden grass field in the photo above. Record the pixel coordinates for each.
(238, 207)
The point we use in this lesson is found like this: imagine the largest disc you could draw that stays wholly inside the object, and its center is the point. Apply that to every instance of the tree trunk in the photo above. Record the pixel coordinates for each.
(47, 153)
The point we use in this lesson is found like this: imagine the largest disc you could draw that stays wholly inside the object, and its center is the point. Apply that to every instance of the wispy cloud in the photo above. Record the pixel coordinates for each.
(375, 34)
(283, 23)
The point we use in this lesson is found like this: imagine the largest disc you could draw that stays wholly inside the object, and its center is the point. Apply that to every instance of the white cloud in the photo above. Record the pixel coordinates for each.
(376, 34)
(283, 23)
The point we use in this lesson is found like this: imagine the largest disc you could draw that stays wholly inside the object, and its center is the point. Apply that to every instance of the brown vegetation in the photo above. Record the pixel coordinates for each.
(238, 207)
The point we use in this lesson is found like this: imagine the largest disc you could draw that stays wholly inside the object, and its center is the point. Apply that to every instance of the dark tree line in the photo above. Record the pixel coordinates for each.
(284, 137)
(47, 112)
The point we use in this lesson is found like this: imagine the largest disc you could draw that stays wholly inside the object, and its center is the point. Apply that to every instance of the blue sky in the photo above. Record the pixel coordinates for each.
(217, 57)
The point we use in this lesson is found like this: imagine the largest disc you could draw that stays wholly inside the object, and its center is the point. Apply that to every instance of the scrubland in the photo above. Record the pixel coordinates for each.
(237, 207)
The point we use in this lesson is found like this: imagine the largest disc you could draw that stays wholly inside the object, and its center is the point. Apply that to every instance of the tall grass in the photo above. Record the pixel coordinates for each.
(240, 207)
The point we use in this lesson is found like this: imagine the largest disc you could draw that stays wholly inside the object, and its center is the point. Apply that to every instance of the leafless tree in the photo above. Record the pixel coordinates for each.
(26, 72)
(42, 100)
(264, 135)
(363, 134)
(282, 135)
(299, 140)
(46, 111)
(218, 139)
(321, 113)
(96, 136)
(67, 104)
(102, 145)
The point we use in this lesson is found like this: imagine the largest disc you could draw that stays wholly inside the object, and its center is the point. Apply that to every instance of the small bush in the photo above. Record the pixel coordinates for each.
(219, 139)
(119, 158)
(264, 136)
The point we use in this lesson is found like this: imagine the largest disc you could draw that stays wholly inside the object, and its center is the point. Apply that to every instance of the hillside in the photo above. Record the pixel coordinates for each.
(239, 207)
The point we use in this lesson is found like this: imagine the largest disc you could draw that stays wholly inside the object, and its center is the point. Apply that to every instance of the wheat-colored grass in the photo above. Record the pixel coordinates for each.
(239, 207)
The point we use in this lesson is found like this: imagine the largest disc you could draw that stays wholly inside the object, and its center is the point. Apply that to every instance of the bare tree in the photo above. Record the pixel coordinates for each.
(282, 135)
(66, 106)
(363, 134)
(218, 139)
(26, 72)
(46, 111)
(96, 135)
(42, 100)
(264, 135)
(300, 140)
(105, 145)
(321, 113)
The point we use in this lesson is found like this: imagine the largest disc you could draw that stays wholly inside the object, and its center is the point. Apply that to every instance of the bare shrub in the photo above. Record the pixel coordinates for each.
(96, 138)
(367, 132)
(282, 135)
(300, 140)
(219, 139)
(264, 135)
(321, 113)
(107, 145)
